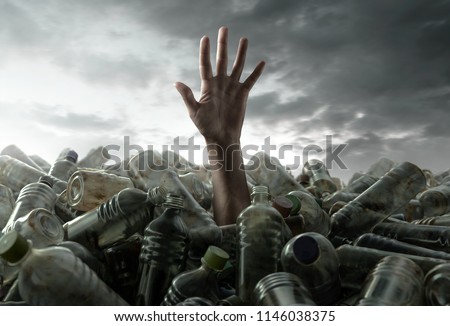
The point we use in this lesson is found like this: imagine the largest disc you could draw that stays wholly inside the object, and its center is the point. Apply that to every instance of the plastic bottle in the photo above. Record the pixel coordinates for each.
(259, 242)
(95, 158)
(315, 218)
(54, 275)
(382, 166)
(312, 257)
(371, 240)
(122, 265)
(428, 236)
(197, 189)
(64, 168)
(7, 203)
(200, 282)
(229, 241)
(43, 164)
(14, 151)
(34, 195)
(269, 172)
(436, 201)
(281, 289)
(361, 184)
(355, 263)
(319, 177)
(395, 189)
(163, 253)
(40, 226)
(330, 200)
(395, 281)
(87, 189)
(118, 218)
(437, 286)
(203, 230)
(443, 220)
(15, 174)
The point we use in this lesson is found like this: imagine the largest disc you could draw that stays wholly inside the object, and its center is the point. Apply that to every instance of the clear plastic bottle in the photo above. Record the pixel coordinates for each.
(54, 275)
(229, 241)
(315, 218)
(87, 189)
(339, 196)
(15, 174)
(382, 166)
(259, 242)
(118, 218)
(394, 190)
(64, 168)
(40, 226)
(34, 195)
(197, 189)
(312, 257)
(437, 286)
(371, 240)
(436, 201)
(443, 220)
(163, 253)
(281, 289)
(395, 281)
(95, 158)
(428, 236)
(203, 230)
(14, 151)
(355, 263)
(361, 184)
(7, 203)
(319, 177)
(268, 171)
(200, 282)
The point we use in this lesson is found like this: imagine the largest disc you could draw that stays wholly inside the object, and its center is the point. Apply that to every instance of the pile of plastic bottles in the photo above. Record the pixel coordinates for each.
(142, 232)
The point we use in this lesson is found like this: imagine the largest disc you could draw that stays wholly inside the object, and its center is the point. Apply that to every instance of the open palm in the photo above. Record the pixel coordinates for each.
(219, 113)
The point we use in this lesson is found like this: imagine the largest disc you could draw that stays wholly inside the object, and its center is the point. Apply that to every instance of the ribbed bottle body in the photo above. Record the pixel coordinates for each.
(259, 238)
(163, 256)
(55, 276)
(394, 190)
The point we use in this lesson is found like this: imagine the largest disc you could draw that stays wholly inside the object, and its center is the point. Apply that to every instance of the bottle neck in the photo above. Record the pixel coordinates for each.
(260, 198)
(24, 257)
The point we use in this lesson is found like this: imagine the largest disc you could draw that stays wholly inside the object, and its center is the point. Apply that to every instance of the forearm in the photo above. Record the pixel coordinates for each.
(231, 194)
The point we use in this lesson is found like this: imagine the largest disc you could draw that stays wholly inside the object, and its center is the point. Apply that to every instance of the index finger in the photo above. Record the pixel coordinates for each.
(204, 59)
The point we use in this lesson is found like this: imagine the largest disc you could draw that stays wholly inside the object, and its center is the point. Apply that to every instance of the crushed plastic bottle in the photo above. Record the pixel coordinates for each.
(395, 189)
(64, 168)
(34, 195)
(54, 275)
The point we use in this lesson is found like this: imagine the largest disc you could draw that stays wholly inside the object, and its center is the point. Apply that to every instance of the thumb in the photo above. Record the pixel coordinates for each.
(188, 97)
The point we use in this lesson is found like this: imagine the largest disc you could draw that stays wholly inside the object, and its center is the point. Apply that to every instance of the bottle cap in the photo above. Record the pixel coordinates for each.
(283, 205)
(215, 258)
(72, 156)
(13, 247)
(47, 180)
(296, 204)
(306, 249)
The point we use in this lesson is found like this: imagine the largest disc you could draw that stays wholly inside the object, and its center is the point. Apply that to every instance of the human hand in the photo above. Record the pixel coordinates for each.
(219, 113)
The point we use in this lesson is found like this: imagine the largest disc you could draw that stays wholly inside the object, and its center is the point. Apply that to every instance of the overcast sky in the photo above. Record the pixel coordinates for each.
(374, 74)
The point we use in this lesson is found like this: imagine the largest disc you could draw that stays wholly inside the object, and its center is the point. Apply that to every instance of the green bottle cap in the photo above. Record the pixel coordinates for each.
(296, 204)
(215, 258)
(13, 247)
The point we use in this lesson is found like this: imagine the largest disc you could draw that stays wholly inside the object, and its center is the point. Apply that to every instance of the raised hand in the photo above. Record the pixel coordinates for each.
(219, 113)
(219, 116)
